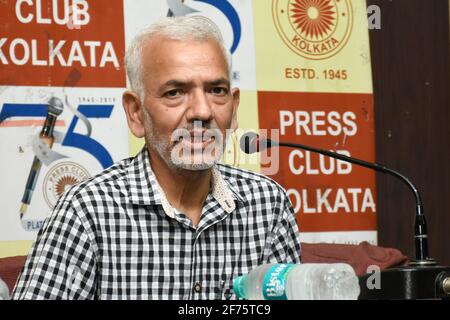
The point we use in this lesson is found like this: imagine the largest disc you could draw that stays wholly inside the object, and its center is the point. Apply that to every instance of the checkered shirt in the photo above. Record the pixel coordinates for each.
(114, 236)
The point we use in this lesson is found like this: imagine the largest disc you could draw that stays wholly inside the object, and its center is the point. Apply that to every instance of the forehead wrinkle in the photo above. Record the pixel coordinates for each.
(154, 43)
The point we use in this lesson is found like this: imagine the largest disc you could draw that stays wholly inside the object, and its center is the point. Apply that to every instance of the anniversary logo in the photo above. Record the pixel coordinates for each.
(61, 136)
(61, 85)
(313, 29)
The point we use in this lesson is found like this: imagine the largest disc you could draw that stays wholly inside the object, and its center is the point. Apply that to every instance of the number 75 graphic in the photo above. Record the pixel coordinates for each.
(71, 139)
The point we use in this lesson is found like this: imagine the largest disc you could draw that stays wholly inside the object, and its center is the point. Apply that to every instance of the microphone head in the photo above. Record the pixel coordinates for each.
(250, 142)
(55, 106)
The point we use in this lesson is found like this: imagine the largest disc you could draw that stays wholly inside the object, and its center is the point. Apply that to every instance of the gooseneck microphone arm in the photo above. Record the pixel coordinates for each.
(251, 143)
(420, 236)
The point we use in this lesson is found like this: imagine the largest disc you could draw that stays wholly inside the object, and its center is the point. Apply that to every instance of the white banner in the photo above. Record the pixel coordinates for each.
(84, 147)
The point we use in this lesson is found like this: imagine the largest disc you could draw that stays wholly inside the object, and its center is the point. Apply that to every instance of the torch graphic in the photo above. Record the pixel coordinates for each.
(55, 108)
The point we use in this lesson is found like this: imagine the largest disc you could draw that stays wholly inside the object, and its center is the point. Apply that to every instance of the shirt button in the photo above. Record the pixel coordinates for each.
(198, 287)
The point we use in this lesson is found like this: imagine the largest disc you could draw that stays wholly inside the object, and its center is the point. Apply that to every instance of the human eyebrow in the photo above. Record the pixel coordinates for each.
(220, 81)
(175, 83)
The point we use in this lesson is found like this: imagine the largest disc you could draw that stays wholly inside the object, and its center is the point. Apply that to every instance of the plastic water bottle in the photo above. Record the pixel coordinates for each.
(4, 292)
(308, 281)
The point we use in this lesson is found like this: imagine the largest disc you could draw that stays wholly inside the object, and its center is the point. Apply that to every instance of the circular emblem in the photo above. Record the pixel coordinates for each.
(313, 29)
(59, 178)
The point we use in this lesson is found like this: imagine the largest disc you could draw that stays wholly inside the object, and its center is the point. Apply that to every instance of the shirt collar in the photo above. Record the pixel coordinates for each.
(145, 189)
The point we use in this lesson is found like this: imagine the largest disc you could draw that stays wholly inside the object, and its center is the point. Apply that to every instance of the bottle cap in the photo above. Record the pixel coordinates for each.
(238, 287)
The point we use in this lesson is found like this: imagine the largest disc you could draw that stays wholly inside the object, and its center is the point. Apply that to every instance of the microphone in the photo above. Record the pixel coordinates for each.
(55, 108)
(251, 142)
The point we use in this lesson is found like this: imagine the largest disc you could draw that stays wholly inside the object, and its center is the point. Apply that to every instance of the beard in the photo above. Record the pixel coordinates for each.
(184, 151)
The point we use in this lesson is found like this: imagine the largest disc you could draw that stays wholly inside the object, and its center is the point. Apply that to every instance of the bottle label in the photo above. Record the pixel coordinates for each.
(274, 285)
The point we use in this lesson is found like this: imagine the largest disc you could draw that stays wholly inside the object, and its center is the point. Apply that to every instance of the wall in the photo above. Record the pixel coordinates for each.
(411, 71)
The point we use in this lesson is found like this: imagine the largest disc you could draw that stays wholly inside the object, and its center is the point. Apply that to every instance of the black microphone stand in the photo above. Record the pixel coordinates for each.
(422, 278)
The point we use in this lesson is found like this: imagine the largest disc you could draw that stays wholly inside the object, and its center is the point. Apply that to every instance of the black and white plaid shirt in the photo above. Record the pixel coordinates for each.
(115, 236)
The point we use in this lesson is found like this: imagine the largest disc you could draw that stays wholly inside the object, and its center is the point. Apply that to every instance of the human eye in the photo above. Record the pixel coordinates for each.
(173, 93)
(219, 91)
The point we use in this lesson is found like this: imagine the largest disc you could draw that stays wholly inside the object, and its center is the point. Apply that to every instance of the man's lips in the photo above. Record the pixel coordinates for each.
(197, 140)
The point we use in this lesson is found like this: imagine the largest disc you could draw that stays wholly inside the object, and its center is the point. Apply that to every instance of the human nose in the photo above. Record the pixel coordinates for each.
(199, 107)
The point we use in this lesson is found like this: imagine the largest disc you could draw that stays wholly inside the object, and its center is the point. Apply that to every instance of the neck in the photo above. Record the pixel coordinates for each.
(185, 190)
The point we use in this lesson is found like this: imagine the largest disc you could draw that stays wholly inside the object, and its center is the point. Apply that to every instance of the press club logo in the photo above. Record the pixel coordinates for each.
(60, 178)
(313, 29)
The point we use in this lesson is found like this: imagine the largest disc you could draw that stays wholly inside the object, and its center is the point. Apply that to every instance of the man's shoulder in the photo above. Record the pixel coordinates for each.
(244, 180)
(111, 177)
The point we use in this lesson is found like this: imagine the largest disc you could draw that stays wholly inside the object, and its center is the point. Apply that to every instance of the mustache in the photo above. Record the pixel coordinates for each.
(197, 124)
(196, 128)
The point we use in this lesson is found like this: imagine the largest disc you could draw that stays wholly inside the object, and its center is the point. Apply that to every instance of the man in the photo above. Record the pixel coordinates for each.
(169, 223)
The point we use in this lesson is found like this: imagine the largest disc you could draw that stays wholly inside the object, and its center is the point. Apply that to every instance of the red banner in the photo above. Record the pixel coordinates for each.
(62, 43)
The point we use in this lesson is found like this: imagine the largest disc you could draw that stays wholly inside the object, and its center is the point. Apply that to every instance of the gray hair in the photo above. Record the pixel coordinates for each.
(176, 28)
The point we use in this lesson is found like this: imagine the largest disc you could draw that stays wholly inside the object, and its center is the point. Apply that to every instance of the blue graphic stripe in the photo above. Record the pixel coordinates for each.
(232, 16)
(96, 111)
(91, 146)
(11, 110)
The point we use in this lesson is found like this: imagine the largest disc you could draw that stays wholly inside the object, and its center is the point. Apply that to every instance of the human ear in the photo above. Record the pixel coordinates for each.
(133, 109)
(236, 93)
